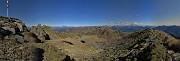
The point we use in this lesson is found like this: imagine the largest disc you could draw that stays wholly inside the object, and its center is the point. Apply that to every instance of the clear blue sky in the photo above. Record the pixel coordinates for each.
(93, 12)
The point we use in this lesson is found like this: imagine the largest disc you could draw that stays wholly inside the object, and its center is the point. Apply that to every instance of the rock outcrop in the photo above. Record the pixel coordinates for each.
(42, 32)
(15, 42)
(12, 24)
(31, 37)
(148, 44)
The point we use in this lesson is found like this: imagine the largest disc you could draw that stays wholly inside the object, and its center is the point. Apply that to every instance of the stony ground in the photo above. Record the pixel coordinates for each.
(41, 43)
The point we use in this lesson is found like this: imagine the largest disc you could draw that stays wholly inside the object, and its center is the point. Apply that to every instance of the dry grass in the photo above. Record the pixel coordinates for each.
(89, 50)
(50, 52)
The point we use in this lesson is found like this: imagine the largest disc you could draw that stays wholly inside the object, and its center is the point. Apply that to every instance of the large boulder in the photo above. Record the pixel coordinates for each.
(13, 30)
(4, 32)
(20, 26)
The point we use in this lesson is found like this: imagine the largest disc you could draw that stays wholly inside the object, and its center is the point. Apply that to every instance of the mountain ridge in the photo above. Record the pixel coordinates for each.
(42, 43)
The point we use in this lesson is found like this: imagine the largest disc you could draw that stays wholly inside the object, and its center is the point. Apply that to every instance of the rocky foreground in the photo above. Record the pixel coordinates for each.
(41, 43)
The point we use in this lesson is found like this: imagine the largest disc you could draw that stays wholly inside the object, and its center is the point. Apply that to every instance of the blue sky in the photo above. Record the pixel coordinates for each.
(93, 12)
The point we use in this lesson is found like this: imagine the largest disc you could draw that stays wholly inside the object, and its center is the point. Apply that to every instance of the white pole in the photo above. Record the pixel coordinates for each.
(7, 7)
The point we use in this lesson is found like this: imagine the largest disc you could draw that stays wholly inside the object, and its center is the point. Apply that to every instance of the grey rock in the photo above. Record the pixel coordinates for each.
(19, 38)
(30, 37)
(39, 31)
(20, 26)
(176, 57)
(10, 29)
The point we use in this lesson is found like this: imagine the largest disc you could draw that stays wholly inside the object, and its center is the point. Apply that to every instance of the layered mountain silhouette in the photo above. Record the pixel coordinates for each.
(42, 43)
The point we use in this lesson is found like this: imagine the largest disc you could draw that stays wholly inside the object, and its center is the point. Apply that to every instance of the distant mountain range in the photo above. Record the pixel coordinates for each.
(131, 28)
(172, 30)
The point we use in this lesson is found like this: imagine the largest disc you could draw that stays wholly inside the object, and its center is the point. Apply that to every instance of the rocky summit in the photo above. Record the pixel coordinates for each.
(148, 44)
(42, 43)
(14, 44)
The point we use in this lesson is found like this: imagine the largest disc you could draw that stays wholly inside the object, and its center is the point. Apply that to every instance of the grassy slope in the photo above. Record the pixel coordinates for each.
(51, 53)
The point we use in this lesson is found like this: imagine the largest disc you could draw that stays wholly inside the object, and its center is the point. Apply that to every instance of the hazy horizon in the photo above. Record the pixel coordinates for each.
(93, 12)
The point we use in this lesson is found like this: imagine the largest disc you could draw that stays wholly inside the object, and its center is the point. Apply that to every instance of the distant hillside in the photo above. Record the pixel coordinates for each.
(131, 28)
(122, 28)
(172, 30)
(103, 32)
(63, 28)
(146, 44)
